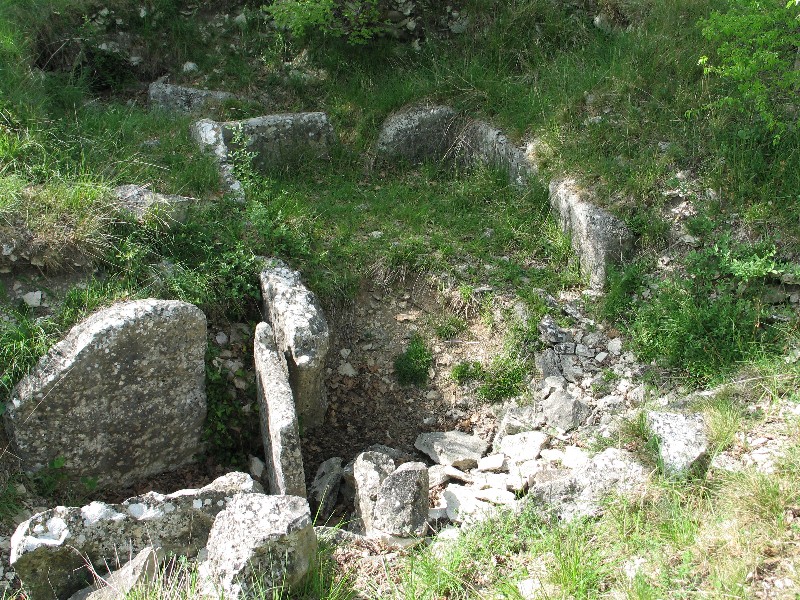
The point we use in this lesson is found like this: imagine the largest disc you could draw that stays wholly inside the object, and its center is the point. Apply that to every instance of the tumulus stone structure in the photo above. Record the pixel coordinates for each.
(279, 430)
(302, 335)
(120, 398)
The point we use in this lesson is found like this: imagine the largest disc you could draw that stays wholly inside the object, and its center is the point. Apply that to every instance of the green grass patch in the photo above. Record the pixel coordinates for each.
(411, 367)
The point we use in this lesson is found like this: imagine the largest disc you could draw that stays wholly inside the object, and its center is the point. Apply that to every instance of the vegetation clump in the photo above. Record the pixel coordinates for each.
(412, 366)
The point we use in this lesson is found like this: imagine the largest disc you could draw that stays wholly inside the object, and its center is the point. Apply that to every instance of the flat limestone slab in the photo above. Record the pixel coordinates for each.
(120, 398)
(279, 428)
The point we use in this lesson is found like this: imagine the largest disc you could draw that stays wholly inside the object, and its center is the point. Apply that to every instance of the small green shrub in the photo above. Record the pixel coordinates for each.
(356, 21)
(412, 365)
(467, 371)
(503, 379)
(757, 44)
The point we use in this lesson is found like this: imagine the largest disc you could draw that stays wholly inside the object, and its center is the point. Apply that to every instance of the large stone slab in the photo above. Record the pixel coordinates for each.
(683, 444)
(454, 448)
(418, 133)
(324, 490)
(183, 99)
(259, 546)
(136, 573)
(49, 552)
(301, 333)
(122, 397)
(598, 238)
(482, 143)
(279, 429)
(272, 141)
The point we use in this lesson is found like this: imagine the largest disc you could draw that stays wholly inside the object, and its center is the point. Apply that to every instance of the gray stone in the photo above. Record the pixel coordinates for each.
(209, 136)
(525, 446)
(493, 462)
(549, 385)
(598, 238)
(302, 335)
(581, 492)
(455, 448)
(401, 508)
(570, 368)
(418, 133)
(564, 411)
(278, 141)
(548, 363)
(336, 536)
(142, 204)
(136, 573)
(120, 398)
(683, 445)
(33, 299)
(50, 550)
(325, 487)
(464, 507)
(551, 332)
(258, 545)
(518, 419)
(279, 429)
(482, 143)
(369, 471)
(184, 99)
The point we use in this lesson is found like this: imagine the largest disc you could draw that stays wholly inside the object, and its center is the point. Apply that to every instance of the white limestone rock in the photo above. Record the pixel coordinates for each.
(683, 444)
(454, 448)
(258, 544)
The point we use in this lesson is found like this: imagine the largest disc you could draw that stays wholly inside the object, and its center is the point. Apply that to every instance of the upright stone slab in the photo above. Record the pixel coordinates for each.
(301, 333)
(279, 429)
(370, 469)
(281, 140)
(401, 506)
(598, 238)
(418, 133)
(121, 398)
(274, 141)
(683, 444)
(482, 143)
(258, 546)
(183, 99)
(50, 551)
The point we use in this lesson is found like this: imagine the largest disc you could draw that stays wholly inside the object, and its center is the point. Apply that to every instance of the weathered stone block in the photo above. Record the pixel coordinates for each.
(120, 398)
(183, 99)
(302, 335)
(598, 238)
(401, 507)
(279, 429)
(259, 545)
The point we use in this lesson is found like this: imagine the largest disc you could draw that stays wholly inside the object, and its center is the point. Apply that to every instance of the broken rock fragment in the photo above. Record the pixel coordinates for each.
(455, 448)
